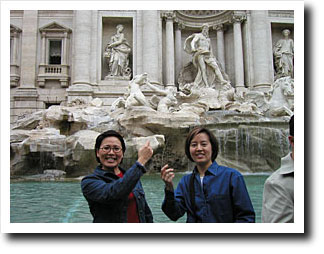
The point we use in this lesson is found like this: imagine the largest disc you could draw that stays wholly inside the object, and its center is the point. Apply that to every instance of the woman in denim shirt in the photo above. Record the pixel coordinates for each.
(212, 193)
(113, 194)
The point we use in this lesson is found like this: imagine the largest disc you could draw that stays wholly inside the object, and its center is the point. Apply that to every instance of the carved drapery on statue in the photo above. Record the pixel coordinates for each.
(284, 55)
(205, 63)
(117, 56)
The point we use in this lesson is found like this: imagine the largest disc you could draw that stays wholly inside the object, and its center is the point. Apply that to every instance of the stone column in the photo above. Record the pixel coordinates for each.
(262, 50)
(14, 63)
(238, 52)
(139, 48)
(220, 45)
(14, 48)
(25, 97)
(81, 88)
(151, 45)
(43, 61)
(248, 51)
(64, 49)
(82, 47)
(43, 57)
(94, 69)
(178, 51)
(29, 48)
(169, 45)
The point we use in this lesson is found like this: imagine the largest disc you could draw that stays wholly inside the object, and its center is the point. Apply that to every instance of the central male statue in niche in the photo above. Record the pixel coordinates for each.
(117, 55)
(198, 45)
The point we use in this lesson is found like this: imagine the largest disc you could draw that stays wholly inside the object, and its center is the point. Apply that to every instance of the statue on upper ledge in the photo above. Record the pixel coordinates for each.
(199, 46)
(117, 55)
(284, 56)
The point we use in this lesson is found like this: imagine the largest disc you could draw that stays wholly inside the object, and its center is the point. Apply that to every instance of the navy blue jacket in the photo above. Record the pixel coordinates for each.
(223, 197)
(107, 194)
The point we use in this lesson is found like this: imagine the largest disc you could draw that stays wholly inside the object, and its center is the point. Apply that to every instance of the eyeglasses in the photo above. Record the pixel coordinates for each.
(107, 149)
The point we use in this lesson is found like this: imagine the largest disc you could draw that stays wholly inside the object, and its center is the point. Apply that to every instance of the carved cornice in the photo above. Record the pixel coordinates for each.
(281, 13)
(54, 28)
(194, 19)
(200, 13)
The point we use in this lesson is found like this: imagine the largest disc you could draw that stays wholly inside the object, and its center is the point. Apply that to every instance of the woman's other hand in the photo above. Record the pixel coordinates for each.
(167, 175)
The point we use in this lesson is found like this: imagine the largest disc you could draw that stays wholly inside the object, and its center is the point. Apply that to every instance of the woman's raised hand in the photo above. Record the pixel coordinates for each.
(167, 175)
(145, 153)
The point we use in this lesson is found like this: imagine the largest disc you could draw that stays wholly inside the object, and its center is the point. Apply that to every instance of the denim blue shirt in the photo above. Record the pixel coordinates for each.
(222, 197)
(107, 194)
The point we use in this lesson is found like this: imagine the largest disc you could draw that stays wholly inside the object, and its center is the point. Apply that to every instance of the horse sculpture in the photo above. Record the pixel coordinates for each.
(282, 93)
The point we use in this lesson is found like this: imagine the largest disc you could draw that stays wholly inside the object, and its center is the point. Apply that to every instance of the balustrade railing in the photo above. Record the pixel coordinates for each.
(53, 72)
(53, 69)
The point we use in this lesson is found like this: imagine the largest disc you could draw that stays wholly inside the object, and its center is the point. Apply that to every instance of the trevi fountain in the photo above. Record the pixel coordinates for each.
(150, 75)
(250, 124)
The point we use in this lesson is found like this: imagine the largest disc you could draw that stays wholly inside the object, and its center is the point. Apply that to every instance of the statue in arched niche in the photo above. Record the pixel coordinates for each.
(284, 54)
(199, 46)
(117, 55)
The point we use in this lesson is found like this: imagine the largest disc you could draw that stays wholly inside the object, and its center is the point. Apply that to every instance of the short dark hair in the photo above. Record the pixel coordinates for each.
(212, 139)
(291, 126)
(109, 133)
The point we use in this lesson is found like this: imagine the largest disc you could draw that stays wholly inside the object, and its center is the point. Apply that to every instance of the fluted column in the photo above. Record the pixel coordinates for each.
(178, 51)
(169, 16)
(151, 44)
(220, 45)
(262, 49)
(82, 47)
(238, 52)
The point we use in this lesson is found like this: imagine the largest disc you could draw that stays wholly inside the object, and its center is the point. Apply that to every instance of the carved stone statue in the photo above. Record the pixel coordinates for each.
(284, 54)
(135, 96)
(281, 92)
(168, 101)
(117, 55)
(278, 101)
(199, 46)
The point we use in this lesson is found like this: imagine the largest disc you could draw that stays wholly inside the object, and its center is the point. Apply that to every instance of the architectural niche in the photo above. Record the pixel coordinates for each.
(15, 35)
(195, 18)
(54, 63)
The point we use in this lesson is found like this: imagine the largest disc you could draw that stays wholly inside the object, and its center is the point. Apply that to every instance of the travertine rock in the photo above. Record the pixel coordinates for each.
(63, 137)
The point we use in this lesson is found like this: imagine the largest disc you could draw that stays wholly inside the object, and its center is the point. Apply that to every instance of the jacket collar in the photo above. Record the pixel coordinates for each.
(100, 172)
(212, 170)
(287, 165)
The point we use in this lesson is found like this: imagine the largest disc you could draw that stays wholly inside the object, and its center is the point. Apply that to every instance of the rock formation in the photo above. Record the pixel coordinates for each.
(63, 137)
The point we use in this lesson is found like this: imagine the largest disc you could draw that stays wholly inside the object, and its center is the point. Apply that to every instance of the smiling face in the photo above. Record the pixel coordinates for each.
(201, 149)
(110, 159)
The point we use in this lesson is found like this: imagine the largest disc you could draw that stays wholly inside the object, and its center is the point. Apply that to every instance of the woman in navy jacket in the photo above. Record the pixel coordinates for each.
(212, 193)
(113, 194)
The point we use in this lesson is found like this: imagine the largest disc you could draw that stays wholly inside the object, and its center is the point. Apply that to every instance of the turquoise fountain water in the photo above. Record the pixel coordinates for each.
(62, 202)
